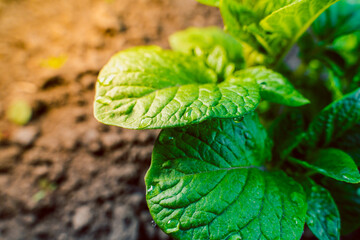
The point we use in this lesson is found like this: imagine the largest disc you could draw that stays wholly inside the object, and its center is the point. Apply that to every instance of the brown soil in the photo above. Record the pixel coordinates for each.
(64, 175)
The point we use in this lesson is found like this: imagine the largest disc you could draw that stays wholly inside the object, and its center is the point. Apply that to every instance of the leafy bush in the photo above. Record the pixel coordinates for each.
(216, 171)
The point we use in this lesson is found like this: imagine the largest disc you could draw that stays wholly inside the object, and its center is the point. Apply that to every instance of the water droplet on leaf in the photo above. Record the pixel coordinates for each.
(346, 177)
(192, 114)
(150, 189)
(165, 139)
(296, 220)
(238, 119)
(310, 223)
(172, 226)
(236, 236)
(145, 122)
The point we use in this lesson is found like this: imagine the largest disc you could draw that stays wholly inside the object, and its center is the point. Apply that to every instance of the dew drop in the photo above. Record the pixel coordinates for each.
(296, 220)
(310, 223)
(145, 122)
(188, 114)
(103, 100)
(238, 119)
(346, 177)
(236, 236)
(192, 114)
(172, 226)
(150, 189)
(165, 139)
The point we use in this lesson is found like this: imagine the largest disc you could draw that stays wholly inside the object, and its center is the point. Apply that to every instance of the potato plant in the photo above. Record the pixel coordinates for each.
(256, 142)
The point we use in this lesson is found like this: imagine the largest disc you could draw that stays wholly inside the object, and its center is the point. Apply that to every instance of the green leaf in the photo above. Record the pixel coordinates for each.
(273, 86)
(147, 87)
(271, 26)
(340, 19)
(322, 216)
(347, 198)
(334, 120)
(203, 41)
(350, 143)
(206, 181)
(213, 3)
(287, 132)
(333, 163)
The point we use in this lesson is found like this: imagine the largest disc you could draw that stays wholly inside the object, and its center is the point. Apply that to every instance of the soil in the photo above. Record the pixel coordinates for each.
(64, 175)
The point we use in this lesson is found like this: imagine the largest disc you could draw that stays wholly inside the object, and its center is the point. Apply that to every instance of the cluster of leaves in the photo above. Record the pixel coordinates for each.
(216, 172)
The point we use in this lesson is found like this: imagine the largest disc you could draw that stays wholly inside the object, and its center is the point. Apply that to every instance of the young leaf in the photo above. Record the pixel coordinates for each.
(340, 19)
(273, 86)
(187, 41)
(322, 216)
(203, 41)
(206, 182)
(213, 3)
(334, 120)
(273, 26)
(147, 87)
(347, 198)
(333, 163)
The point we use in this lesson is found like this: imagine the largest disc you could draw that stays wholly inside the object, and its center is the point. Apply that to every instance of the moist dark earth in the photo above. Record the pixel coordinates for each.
(63, 175)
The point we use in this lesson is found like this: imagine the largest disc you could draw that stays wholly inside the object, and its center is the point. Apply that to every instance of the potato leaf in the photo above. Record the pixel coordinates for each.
(271, 26)
(333, 163)
(347, 198)
(218, 47)
(350, 143)
(273, 86)
(206, 181)
(340, 19)
(147, 87)
(322, 216)
(334, 120)
(287, 132)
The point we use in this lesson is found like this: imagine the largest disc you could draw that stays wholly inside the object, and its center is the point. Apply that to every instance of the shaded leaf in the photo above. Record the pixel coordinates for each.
(340, 19)
(334, 120)
(322, 216)
(347, 198)
(206, 182)
(287, 132)
(333, 163)
(350, 143)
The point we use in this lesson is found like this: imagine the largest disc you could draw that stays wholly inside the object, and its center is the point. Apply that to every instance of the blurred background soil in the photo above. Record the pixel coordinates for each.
(63, 175)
